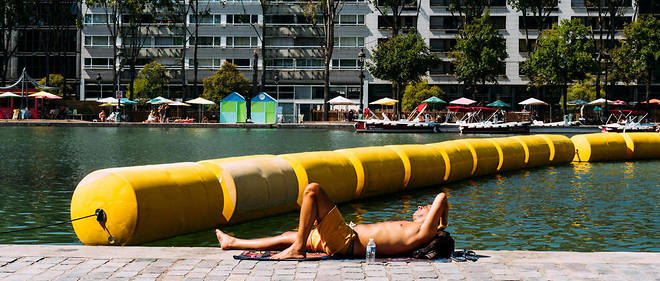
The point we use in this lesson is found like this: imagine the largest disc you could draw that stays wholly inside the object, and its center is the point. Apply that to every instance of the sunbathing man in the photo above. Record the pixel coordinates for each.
(334, 237)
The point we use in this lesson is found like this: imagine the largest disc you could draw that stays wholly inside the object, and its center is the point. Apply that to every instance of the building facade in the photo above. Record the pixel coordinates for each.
(231, 31)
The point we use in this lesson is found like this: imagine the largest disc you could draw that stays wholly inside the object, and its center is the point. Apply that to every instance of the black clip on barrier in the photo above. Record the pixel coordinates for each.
(102, 217)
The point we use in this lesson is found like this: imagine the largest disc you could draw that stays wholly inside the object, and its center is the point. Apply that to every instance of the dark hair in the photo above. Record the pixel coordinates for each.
(440, 247)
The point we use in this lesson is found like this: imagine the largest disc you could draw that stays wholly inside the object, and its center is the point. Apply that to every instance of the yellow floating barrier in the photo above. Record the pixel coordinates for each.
(601, 147)
(485, 156)
(561, 147)
(642, 145)
(333, 171)
(459, 161)
(146, 203)
(257, 186)
(537, 150)
(379, 170)
(514, 151)
(424, 165)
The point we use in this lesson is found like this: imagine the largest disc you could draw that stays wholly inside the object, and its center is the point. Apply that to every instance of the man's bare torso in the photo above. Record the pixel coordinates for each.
(391, 237)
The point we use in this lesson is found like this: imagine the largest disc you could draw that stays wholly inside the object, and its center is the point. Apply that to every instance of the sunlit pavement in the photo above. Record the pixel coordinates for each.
(47, 262)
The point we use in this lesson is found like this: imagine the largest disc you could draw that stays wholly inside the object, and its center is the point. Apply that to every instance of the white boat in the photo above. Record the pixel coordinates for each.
(627, 121)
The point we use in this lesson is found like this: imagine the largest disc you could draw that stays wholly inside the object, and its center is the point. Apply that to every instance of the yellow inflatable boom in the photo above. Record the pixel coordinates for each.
(148, 203)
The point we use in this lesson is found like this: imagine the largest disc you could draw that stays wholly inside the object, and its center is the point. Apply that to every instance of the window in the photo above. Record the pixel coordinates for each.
(532, 24)
(99, 62)
(168, 41)
(309, 63)
(522, 46)
(442, 45)
(349, 42)
(129, 41)
(241, 42)
(440, 2)
(207, 63)
(351, 20)
(96, 19)
(345, 64)
(204, 19)
(97, 40)
(498, 21)
(280, 63)
(385, 22)
(207, 41)
(443, 68)
(242, 19)
(241, 63)
(445, 22)
(619, 22)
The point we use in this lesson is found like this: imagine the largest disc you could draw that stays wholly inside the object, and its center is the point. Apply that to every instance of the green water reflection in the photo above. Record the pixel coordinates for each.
(584, 207)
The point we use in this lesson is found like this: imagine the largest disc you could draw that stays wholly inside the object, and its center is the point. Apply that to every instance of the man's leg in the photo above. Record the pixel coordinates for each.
(279, 242)
(315, 205)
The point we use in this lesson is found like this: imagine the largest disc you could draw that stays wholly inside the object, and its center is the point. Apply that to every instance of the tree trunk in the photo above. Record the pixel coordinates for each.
(263, 46)
(396, 21)
(184, 83)
(564, 103)
(196, 65)
(648, 86)
(253, 89)
(131, 83)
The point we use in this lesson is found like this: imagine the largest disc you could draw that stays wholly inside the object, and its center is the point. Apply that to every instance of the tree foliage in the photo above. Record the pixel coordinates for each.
(401, 60)
(536, 11)
(415, 93)
(584, 89)
(563, 54)
(468, 10)
(13, 14)
(150, 81)
(224, 81)
(56, 80)
(479, 53)
(638, 55)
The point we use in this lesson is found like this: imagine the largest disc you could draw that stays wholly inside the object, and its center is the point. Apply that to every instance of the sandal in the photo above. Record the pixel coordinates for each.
(458, 256)
(471, 256)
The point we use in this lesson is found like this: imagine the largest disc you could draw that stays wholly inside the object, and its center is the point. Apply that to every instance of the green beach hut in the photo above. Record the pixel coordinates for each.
(264, 109)
(233, 109)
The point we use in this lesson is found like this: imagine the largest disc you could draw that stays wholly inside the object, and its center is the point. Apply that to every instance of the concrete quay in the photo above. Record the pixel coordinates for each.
(77, 123)
(50, 262)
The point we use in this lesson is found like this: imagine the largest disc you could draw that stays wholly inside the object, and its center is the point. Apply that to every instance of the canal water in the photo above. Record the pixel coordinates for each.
(579, 207)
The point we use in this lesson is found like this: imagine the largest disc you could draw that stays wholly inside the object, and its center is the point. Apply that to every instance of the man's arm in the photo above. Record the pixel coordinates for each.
(438, 213)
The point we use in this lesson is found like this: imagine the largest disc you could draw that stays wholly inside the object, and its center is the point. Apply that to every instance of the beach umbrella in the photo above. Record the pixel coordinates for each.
(577, 102)
(201, 102)
(109, 104)
(619, 102)
(462, 101)
(498, 103)
(385, 101)
(40, 94)
(597, 108)
(599, 101)
(433, 100)
(108, 100)
(159, 100)
(127, 101)
(656, 101)
(339, 100)
(532, 101)
(177, 103)
(9, 95)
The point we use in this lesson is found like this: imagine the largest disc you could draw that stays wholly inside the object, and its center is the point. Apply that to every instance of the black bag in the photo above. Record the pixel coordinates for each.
(440, 247)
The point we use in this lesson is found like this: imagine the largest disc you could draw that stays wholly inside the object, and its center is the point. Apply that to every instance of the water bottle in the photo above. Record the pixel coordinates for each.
(371, 251)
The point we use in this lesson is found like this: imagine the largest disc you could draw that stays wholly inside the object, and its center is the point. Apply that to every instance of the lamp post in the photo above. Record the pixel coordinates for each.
(120, 54)
(361, 57)
(98, 81)
(276, 80)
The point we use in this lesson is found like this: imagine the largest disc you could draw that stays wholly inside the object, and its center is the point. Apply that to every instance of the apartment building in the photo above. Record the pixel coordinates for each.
(231, 31)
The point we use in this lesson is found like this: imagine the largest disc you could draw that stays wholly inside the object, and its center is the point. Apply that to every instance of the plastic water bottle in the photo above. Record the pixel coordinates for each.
(371, 251)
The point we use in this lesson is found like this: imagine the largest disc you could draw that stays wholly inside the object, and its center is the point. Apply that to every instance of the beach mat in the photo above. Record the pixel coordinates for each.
(265, 256)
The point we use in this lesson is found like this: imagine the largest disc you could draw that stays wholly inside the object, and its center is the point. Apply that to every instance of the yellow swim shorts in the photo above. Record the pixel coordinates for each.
(332, 235)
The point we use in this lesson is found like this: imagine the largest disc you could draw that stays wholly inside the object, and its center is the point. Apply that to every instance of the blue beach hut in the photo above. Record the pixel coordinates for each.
(263, 108)
(233, 108)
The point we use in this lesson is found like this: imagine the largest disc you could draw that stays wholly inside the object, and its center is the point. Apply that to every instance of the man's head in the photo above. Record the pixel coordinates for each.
(421, 213)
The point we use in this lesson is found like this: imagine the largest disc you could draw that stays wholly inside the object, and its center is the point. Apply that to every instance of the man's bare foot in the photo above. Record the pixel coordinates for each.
(225, 240)
(289, 253)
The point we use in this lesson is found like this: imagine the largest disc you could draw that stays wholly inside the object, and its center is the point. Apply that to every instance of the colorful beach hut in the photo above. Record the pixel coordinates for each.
(233, 109)
(263, 109)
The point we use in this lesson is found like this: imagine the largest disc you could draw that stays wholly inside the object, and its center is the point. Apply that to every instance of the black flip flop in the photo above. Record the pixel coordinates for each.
(471, 256)
(458, 256)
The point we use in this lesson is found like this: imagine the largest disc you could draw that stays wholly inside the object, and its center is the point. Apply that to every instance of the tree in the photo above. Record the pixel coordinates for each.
(468, 10)
(151, 81)
(563, 54)
(134, 33)
(13, 15)
(113, 10)
(415, 93)
(224, 81)
(540, 12)
(479, 53)
(639, 54)
(56, 80)
(401, 60)
(391, 11)
(584, 89)
(329, 13)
